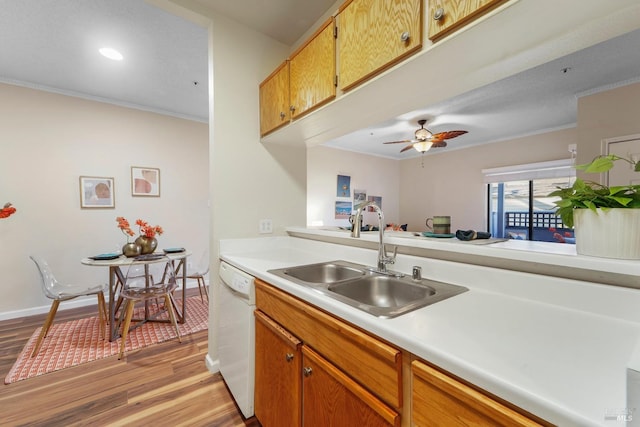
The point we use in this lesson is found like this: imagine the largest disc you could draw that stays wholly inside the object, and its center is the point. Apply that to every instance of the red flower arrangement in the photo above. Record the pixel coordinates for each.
(123, 225)
(145, 229)
(149, 230)
(7, 211)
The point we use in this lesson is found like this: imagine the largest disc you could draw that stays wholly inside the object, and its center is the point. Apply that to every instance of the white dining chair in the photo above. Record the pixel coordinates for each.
(59, 292)
(146, 281)
(201, 270)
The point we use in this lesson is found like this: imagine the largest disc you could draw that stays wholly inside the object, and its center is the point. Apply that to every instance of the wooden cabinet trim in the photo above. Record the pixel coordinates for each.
(330, 21)
(472, 398)
(388, 414)
(292, 341)
(274, 72)
(374, 364)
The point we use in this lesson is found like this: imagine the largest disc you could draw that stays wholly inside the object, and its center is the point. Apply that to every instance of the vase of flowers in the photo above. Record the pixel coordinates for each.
(7, 210)
(147, 239)
(130, 249)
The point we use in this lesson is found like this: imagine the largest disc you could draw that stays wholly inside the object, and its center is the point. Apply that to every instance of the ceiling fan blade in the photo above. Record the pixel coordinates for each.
(447, 135)
(439, 144)
(408, 147)
(398, 142)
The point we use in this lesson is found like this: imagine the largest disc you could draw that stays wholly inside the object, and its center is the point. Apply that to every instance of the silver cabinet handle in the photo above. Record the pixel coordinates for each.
(282, 115)
(307, 371)
(438, 14)
(405, 36)
(289, 357)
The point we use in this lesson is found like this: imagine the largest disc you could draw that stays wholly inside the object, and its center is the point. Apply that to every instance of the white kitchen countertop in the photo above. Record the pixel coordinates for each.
(511, 251)
(556, 347)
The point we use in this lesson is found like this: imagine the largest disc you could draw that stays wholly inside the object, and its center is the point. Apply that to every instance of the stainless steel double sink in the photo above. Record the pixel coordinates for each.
(380, 294)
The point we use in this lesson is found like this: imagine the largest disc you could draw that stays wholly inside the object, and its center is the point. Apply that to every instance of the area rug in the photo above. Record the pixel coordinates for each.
(78, 341)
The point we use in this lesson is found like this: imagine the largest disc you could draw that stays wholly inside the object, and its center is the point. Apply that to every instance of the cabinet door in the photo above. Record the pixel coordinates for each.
(312, 71)
(274, 100)
(440, 400)
(278, 382)
(446, 16)
(373, 363)
(375, 34)
(331, 398)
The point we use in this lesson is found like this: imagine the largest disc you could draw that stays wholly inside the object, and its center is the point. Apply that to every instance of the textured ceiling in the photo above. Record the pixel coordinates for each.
(53, 45)
(537, 100)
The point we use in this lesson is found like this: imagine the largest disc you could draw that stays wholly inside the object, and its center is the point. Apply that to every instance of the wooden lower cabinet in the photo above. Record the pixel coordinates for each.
(438, 399)
(295, 386)
(278, 382)
(315, 370)
(331, 398)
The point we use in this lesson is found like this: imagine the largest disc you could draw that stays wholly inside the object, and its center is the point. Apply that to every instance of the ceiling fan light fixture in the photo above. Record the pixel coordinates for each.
(111, 53)
(422, 146)
(422, 134)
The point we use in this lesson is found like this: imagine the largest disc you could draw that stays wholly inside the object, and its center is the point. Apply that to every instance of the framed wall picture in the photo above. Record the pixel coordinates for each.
(145, 181)
(344, 186)
(343, 210)
(97, 193)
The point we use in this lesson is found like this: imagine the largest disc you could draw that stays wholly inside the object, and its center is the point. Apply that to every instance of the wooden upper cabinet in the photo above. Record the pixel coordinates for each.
(274, 100)
(445, 16)
(438, 399)
(312, 71)
(374, 35)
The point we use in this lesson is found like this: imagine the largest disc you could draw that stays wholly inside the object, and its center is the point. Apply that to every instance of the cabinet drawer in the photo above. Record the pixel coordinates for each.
(438, 399)
(374, 364)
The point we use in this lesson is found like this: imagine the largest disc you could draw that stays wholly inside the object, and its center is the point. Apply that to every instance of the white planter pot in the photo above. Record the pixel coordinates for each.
(610, 234)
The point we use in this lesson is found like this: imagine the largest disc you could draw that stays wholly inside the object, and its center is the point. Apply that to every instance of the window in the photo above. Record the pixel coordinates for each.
(518, 203)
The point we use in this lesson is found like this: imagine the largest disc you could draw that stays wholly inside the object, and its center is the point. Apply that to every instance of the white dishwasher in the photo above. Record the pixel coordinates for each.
(236, 336)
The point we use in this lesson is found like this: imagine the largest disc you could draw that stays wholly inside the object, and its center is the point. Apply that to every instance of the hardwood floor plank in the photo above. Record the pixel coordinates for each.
(163, 384)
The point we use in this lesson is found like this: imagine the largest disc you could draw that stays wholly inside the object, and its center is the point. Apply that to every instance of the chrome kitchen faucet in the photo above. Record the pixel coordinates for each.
(383, 258)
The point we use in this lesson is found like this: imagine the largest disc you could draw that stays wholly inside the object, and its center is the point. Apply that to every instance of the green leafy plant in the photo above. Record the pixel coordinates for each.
(592, 195)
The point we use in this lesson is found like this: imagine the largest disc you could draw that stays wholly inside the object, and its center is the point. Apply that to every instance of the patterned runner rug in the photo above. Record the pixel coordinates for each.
(78, 341)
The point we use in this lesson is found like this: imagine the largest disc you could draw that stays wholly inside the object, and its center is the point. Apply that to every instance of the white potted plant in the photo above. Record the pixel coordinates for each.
(606, 219)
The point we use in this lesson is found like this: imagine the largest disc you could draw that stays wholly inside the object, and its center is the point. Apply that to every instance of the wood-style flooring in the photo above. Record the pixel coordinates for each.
(165, 384)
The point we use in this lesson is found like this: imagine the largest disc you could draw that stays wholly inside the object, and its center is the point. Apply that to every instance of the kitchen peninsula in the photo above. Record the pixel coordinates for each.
(558, 348)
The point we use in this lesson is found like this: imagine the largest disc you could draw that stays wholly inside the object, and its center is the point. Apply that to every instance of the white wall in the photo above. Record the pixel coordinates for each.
(250, 181)
(451, 182)
(608, 114)
(48, 142)
(378, 176)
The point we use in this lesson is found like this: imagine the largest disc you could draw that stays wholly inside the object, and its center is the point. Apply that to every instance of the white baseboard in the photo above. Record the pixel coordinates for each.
(65, 305)
(212, 365)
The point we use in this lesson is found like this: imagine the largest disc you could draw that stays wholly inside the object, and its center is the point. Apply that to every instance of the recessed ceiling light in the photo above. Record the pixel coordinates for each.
(111, 53)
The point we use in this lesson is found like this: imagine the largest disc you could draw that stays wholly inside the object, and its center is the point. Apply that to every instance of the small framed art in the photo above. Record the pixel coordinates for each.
(145, 181)
(97, 192)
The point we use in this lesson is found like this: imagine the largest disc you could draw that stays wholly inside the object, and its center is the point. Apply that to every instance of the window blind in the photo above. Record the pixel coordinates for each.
(531, 171)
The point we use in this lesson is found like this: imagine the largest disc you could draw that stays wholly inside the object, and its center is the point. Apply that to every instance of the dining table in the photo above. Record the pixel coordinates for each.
(116, 263)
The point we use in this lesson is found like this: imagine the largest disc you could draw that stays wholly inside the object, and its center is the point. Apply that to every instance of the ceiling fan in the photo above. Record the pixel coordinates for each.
(425, 139)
